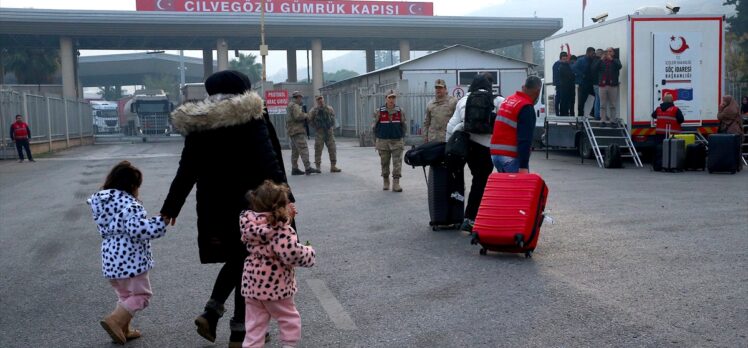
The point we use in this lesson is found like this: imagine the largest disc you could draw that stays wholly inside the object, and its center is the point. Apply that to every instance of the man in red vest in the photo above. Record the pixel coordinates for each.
(20, 133)
(667, 118)
(511, 141)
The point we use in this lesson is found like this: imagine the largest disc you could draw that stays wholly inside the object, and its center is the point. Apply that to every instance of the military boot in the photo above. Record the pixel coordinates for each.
(334, 169)
(386, 185)
(296, 171)
(396, 185)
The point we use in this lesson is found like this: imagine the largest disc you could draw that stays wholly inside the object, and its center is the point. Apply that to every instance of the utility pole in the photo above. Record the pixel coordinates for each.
(263, 46)
(181, 75)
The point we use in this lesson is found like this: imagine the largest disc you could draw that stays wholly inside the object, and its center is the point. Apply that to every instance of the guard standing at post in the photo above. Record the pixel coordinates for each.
(389, 128)
(323, 120)
(296, 116)
(438, 112)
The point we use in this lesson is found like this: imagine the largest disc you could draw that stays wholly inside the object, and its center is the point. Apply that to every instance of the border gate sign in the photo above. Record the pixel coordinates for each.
(306, 7)
(276, 101)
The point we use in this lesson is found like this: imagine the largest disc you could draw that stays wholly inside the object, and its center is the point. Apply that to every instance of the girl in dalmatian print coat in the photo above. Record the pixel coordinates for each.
(125, 247)
(268, 282)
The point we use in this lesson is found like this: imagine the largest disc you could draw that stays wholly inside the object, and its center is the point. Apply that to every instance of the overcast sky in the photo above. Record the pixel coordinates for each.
(569, 10)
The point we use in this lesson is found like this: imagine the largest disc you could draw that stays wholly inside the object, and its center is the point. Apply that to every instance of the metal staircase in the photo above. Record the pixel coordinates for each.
(600, 137)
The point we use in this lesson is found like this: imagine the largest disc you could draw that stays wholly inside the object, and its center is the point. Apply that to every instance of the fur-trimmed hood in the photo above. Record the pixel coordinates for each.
(217, 111)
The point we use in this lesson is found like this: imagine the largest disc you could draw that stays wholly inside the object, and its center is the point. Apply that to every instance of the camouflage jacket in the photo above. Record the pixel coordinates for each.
(322, 117)
(438, 113)
(295, 118)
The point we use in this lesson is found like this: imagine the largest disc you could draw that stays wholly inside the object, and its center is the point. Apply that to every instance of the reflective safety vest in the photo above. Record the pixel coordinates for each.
(667, 118)
(20, 131)
(504, 138)
(389, 126)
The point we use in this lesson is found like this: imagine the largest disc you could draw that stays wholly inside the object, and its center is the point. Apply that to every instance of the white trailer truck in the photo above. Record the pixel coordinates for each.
(148, 114)
(105, 117)
(677, 54)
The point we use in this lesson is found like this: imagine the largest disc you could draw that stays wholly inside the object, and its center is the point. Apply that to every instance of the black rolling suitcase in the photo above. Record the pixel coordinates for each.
(673, 155)
(724, 153)
(696, 156)
(446, 198)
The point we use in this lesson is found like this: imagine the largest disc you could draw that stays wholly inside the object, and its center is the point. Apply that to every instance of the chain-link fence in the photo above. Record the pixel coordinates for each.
(57, 122)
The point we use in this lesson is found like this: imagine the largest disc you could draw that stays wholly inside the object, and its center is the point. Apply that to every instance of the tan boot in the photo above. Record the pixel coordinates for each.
(114, 322)
(334, 169)
(396, 185)
(386, 185)
(130, 333)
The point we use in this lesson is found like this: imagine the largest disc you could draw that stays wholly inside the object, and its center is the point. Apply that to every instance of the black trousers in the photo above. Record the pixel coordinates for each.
(230, 279)
(23, 144)
(567, 102)
(481, 166)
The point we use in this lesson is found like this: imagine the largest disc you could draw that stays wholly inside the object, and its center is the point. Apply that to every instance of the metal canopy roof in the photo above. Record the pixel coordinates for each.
(174, 30)
(131, 68)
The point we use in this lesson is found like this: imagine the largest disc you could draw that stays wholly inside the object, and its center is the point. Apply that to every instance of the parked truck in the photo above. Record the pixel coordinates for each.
(105, 117)
(681, 55)
(148, 114)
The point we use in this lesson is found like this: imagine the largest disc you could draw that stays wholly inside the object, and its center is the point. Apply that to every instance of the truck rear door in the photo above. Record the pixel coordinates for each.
(677, 66)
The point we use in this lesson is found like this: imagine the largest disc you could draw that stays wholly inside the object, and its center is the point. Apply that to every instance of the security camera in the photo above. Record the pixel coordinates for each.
(600, 18)
(672, 7)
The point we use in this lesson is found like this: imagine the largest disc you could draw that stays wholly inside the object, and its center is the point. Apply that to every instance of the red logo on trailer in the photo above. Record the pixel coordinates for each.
(683, 46)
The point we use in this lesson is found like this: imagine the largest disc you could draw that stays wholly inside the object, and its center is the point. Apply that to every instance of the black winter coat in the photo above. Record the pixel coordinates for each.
(228, 151)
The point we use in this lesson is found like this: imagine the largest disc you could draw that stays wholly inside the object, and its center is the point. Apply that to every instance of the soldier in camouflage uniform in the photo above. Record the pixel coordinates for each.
(296, 117)
(323, 120)
(390, 128)
(438, 112)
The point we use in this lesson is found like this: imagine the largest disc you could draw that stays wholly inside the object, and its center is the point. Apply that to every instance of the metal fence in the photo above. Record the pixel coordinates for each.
(50, 119)
(355, 110)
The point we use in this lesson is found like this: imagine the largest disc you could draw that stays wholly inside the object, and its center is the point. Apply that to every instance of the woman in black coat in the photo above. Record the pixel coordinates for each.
(230, 148)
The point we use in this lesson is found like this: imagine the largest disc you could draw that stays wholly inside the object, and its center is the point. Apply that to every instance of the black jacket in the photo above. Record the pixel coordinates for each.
(228, 150)
(598, 68)
(566, 77)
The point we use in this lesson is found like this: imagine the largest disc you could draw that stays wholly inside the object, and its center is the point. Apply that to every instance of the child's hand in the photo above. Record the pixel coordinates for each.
(169, 220)
(292, 210)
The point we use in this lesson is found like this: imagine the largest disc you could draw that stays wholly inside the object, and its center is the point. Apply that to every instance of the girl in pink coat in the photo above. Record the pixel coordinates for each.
(268, 282)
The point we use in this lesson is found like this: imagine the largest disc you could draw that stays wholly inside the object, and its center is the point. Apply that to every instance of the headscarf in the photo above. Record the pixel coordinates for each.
(731, 107)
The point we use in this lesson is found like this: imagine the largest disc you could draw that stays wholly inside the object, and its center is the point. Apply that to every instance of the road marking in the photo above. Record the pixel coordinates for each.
(334, 309)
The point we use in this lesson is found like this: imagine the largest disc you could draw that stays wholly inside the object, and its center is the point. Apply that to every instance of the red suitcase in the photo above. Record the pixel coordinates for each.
(510, 213)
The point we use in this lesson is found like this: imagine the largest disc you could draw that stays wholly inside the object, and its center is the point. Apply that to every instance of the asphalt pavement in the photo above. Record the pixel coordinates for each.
(634, 259)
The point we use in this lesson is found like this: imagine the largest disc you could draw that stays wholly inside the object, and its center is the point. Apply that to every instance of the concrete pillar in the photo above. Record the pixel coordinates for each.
(370, 66)
(317, 68)
(291, 65)
(207, 63)
(67, 67)
(222, 49)
(404, 50)
(527, 53)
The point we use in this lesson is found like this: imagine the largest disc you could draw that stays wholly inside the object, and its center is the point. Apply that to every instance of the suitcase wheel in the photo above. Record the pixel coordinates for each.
(483, 251)
(528, 254)
(474, 240)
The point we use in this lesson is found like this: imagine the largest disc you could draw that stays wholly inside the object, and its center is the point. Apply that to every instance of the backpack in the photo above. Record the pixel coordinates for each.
(425, 154)
(479, 114)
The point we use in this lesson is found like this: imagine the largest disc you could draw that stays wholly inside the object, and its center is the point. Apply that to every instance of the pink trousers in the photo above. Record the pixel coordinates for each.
(258, 314)
(133, 293)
